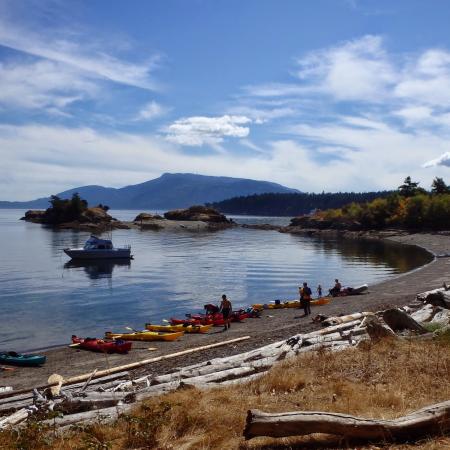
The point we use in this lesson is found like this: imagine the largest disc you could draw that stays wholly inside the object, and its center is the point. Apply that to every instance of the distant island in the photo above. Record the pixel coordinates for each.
(169, 191)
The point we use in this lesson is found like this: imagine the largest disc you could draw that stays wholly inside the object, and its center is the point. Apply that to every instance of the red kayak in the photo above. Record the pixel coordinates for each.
(99, 345)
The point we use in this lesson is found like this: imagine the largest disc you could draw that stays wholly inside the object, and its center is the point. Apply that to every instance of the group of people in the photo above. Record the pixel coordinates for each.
(306, 294)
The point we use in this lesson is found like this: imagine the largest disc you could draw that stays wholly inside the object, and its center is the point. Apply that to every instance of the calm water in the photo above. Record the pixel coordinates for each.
(44, 298)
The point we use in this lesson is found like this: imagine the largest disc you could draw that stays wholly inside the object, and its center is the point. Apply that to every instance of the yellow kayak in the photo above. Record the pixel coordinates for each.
(290, 304)
(145, 336)
(180, 327)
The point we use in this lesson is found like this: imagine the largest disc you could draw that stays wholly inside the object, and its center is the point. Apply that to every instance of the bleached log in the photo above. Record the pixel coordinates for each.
(241, 380)
(15, 406)
(93, 401)
(220, 376)
(424, 314)
(347, 334)
(14, 419)
(348, 318)
(158, 389)
(399, 320)
(104, 415)
(433, 419)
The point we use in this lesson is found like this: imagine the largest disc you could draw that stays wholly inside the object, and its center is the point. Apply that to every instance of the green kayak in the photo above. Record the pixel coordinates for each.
(19, 359)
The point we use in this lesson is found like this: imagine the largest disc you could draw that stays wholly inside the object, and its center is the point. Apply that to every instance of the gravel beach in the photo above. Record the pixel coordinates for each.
(273, 325)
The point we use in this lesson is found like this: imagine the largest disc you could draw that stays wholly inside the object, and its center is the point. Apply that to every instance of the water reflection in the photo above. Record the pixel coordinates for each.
(378, 253)
(100, 268)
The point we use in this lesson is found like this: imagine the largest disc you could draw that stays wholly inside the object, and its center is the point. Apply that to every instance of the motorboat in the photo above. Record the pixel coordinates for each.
(96, 248)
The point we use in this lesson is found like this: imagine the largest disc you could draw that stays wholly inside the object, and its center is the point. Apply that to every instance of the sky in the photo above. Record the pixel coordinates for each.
(323, 95)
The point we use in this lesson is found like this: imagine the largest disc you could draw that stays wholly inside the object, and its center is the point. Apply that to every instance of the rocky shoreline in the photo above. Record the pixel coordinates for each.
(273, 326)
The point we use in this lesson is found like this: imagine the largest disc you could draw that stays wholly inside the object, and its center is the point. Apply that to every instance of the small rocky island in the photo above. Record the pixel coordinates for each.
(75, 214)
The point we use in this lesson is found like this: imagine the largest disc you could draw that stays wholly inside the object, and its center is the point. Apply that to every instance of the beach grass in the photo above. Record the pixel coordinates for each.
(384, 380)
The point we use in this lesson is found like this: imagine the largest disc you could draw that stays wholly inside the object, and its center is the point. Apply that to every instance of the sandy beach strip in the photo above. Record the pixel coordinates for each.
(273, 325)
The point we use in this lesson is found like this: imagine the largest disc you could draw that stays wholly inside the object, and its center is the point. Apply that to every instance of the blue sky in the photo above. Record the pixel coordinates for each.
(317, 95)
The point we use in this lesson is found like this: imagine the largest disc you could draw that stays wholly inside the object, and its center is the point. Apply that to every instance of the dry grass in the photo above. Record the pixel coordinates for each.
(386, 380)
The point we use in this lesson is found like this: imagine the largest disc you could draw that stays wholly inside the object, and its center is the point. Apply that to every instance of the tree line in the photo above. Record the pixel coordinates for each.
(290, 205)
(410, 207)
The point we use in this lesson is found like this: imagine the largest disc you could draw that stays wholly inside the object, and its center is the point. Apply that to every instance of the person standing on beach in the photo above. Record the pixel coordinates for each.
(305, 298)
(319, 291)
(225, 307)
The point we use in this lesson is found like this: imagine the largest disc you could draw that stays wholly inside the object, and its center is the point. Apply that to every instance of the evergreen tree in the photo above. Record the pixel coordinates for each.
(439, 187)
(409, 188)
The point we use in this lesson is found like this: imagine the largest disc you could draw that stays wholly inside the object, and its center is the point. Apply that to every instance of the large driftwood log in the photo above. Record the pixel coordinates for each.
(398, 320)
(433, 419)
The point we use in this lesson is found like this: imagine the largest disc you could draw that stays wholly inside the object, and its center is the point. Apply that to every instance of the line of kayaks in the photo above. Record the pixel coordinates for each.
(193, 323)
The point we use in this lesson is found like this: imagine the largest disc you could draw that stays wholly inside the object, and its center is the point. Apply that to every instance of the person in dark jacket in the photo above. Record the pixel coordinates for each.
(305, 298)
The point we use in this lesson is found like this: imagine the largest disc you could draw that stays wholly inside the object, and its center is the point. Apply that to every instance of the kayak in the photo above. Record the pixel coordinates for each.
(290, 304)
(99, 345)
(145, 336)
(321, 301)
(209, 319)
(19, 359)
(187, 328)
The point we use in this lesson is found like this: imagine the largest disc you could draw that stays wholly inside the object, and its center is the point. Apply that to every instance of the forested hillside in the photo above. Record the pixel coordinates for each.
(292, 204)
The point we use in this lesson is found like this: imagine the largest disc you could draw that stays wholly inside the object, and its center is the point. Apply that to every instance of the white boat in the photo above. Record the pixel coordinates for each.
(96, 248)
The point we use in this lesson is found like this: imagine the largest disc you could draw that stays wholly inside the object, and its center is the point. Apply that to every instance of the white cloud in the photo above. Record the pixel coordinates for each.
(152, 110)
(357, 70)
(199, 130)
(86, 57)
(443, 160)
(42, 84)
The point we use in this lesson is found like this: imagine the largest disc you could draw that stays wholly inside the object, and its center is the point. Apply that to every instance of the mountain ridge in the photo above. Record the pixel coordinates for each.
(170, 190)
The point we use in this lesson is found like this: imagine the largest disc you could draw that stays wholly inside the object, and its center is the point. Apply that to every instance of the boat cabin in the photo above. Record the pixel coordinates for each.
(94, 243)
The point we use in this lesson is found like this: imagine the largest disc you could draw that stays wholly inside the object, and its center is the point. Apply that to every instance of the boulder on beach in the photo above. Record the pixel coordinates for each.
(197, 213)
(143, 217)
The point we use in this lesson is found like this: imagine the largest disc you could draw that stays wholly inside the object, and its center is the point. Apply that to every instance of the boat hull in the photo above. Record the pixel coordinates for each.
(116, 253)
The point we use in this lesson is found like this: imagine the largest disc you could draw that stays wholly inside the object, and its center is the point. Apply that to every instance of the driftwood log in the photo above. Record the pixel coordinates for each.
(428, 421)
(398, 320)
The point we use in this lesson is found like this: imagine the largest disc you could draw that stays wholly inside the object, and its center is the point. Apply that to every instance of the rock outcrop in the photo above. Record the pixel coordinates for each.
(92, 219)
(145, 217)
(197, 213)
